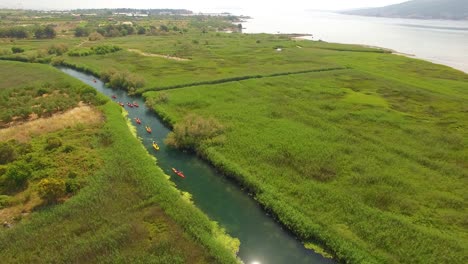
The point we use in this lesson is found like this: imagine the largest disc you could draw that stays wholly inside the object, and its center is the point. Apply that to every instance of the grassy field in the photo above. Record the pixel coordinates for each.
(39, 93)
(116, 206)
(210, 57)
(355, 150)
(370, 161)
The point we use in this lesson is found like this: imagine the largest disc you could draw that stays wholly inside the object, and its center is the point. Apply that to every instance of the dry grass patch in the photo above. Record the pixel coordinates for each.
(83, 114)
(23, 203)
(157, 55)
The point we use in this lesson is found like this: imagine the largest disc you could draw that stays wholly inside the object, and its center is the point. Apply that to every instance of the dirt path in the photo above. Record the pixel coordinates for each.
(157, 55)
(79, 115)
(81, 43)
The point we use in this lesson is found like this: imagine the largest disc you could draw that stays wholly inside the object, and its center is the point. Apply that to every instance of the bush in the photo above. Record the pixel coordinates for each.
(5, 201)
(95, 36)
(141, 30)
(73, 185)
(57, 49)
(81, 52)
(162, 98)
(192, 131)
(45, 32)
(122, 79)
(50, 189)
(17, 50)
(5, 52)
(81, 32)
(53, 143)
(18, 174)
(101, 50)
(7, 153)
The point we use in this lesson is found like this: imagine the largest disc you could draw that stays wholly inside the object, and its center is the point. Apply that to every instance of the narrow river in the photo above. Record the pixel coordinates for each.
(263, 241)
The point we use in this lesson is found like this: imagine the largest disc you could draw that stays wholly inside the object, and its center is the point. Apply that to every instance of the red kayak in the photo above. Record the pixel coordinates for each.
(137, 120)
(148, 129)
(114, 97)
(129, 104)
(178, 172)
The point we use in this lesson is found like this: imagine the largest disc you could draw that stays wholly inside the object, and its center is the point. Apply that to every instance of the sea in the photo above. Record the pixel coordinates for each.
(438, 41)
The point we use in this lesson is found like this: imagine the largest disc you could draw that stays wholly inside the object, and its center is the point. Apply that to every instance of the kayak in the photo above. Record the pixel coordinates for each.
(121, 104)
(137, 120)
(155, 146)
(135, 104)
(148, 129)
(114, 97)
(178, 172)
(129, 104)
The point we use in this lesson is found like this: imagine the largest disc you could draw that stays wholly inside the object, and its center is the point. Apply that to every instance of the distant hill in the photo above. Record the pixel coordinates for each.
(425, 9)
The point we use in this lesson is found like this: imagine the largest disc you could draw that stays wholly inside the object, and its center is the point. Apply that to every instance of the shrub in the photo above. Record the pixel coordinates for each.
(164, 28)
(57, 61)
(162, 98)
(81, 32)
(105, 138)
(5, 52)
(73, 185)
(5, 201)
(122, 79)
(57, 49)
(15, 32)
(95, 36)
(50, 189)
(81, 52)
(141, 30)
(17, 50)
(45, 32)
(192, 131)
(101, 50)
(7, 153)
(53, 143)
(18, 174)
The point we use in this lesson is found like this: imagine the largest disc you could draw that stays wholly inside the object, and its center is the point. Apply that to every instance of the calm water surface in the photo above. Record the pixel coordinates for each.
(440, 41)
(263, 241)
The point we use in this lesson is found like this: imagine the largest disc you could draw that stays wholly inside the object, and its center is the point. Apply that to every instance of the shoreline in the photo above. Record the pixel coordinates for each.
(392, 51)
(454, 58)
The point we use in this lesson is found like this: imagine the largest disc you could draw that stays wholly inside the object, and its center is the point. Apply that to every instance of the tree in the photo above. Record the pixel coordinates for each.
(141, 30)
(47, 32)
(81, 32)
(50, 189)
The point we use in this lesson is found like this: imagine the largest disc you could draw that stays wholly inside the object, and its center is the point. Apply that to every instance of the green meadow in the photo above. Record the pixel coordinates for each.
(369, 162)
(114, 205)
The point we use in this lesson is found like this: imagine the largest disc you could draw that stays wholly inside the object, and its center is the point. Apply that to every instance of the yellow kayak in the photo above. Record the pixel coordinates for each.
(155, 146)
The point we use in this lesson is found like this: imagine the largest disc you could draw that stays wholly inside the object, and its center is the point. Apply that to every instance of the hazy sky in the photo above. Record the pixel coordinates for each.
(198, 5)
